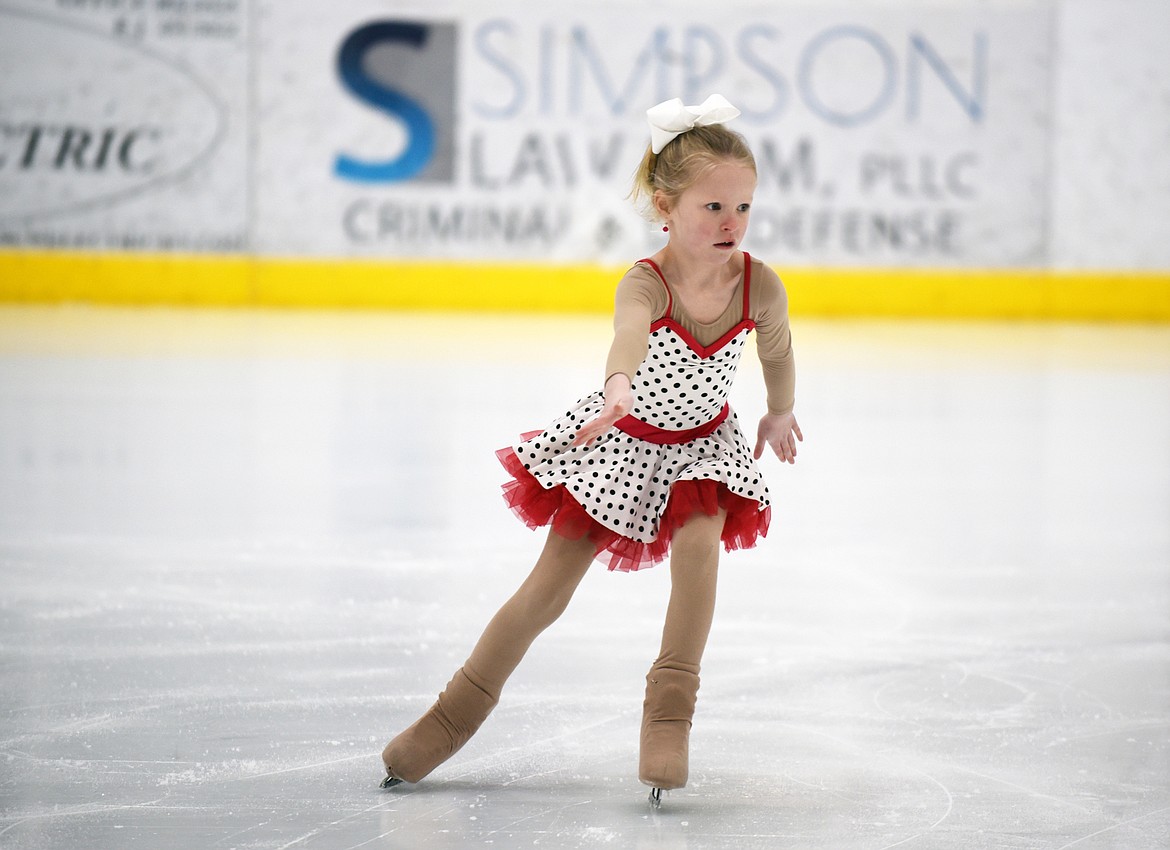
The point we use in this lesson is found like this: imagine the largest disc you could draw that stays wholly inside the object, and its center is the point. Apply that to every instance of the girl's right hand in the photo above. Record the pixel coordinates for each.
(619, 401)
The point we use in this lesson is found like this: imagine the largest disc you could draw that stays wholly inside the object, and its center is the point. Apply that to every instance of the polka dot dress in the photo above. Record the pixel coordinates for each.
(628, 481)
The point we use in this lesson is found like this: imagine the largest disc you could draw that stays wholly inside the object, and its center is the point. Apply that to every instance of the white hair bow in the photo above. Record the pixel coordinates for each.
(671, 119)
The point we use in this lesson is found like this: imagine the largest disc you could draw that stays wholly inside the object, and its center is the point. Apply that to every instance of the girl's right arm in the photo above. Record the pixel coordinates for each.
(634, 306)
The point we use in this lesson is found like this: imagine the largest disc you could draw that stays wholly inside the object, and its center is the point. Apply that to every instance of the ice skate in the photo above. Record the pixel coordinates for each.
(666, 726)
(458, 713)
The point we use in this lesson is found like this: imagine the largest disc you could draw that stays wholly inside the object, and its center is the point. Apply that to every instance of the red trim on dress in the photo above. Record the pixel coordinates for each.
(537, 507)
(666, 321)
(693, 344)
(635, 427)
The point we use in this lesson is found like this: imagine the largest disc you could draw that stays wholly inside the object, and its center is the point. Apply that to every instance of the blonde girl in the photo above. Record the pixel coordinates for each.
(655, 463)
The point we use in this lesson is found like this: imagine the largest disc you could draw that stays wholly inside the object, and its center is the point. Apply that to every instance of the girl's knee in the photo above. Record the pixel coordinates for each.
(543, 605)
(699, 532)
(547, 593)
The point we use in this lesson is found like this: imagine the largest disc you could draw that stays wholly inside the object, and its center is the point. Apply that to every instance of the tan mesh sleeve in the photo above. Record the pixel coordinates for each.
(640, 299)
(773, 338)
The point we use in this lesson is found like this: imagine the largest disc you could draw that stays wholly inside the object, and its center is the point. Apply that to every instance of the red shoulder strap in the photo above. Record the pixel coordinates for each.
(747, 284)
(662, 277)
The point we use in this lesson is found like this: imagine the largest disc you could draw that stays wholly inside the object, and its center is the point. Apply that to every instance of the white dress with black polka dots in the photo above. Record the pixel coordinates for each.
(681, 428)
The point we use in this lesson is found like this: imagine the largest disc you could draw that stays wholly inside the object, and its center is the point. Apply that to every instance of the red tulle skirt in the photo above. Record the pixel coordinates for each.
(538, 507)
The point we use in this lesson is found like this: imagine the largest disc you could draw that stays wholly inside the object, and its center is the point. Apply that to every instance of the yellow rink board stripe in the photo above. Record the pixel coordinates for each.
(155, 279)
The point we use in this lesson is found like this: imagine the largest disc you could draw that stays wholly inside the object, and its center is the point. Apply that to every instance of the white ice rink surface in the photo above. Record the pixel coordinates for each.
(240, 550)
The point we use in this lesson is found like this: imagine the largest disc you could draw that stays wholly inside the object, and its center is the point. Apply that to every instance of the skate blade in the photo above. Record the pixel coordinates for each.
(655, 798)
(390, 782)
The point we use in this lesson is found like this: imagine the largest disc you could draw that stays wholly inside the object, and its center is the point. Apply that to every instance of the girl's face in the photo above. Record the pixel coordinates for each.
(709, 219)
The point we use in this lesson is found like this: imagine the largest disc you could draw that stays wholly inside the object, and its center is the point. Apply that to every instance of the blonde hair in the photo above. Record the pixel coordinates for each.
(683, 162)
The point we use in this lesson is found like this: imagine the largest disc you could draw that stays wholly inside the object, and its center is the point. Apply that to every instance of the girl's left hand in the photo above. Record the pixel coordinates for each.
(780, 431)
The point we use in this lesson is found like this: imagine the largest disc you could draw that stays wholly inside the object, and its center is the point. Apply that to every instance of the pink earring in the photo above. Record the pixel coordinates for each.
(665, 229)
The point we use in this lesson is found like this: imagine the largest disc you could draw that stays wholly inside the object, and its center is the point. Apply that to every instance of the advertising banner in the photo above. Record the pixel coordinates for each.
(883, 137)
(913, 135)
(124, 125)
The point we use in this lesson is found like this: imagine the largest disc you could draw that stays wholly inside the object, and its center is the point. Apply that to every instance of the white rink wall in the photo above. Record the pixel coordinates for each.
(1111, 140)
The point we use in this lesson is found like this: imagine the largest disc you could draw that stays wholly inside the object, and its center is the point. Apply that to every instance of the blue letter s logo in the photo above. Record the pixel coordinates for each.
(420, 146)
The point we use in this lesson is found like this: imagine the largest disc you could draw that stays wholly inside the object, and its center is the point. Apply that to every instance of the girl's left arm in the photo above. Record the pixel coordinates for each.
(778, 428)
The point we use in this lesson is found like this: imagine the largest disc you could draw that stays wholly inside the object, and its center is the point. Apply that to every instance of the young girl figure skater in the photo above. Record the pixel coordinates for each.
(654, 463)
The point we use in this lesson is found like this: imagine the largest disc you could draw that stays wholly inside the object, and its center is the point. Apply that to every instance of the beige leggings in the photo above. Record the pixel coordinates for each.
(544, 595)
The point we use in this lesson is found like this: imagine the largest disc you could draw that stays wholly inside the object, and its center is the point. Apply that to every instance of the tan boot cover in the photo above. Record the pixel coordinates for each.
(666, 727)
(437, 735)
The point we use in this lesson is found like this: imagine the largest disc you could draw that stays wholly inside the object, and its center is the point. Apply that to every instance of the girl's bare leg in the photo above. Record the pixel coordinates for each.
(473, 692)
(673, 681)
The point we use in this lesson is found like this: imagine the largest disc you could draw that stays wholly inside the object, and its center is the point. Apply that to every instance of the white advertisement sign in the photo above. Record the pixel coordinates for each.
(884, 137)
(124, 125)
(887, 138)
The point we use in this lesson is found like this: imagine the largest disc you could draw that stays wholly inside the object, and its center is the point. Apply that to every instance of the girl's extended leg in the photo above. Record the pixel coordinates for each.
(673, 681)
(473, 692)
